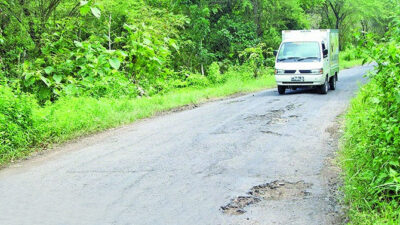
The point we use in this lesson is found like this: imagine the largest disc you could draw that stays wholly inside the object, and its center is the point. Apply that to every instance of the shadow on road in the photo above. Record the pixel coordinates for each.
(302, 91)
(274, 92)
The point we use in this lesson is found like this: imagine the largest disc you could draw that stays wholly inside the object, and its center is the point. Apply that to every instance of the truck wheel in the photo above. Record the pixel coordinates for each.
(281, 90)
(324, 88)
(332, 83)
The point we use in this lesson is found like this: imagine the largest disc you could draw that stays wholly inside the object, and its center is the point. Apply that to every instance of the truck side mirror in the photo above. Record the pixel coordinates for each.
(275, 52)
(326, 52)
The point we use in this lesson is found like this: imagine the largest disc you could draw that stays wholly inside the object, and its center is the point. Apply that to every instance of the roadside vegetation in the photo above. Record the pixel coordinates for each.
(371, 153)
(32, 127)
(350, 58)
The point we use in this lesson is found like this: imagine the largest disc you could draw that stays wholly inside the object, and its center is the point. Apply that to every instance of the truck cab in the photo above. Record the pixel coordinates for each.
(307, 58)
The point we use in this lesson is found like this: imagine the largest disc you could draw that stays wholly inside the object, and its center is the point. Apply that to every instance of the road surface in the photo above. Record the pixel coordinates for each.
(256, 159)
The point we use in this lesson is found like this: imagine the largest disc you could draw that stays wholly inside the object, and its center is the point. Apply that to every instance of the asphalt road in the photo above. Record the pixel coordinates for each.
(262, 157)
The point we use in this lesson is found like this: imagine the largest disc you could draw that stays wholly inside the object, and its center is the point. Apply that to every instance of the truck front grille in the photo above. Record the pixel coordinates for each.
(290, 71)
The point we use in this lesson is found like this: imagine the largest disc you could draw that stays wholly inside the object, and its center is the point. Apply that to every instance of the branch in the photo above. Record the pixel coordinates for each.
(11, 12)
(333, 9)
(73, 10)
(50, 9)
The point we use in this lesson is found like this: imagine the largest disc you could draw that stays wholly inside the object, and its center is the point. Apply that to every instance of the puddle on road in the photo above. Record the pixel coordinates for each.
(277, 190)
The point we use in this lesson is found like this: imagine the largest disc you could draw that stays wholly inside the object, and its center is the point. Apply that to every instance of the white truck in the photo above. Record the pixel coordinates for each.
(307, 58)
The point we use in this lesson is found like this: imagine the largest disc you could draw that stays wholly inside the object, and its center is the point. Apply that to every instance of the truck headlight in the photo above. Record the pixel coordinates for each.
(279, 72)
(317, 71)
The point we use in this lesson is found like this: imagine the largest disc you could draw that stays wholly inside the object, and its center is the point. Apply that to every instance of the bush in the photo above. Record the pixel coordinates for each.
(16, 123)
(243, 72)
(349, 54)
(371, 155)
(198, 80)
(214, 73)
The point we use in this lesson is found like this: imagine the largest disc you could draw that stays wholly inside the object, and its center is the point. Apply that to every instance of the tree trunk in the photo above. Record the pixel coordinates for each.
(109, 34)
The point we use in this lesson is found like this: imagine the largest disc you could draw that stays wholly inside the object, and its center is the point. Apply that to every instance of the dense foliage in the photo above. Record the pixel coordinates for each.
(16, 122)
(371, 156)
(55, 48)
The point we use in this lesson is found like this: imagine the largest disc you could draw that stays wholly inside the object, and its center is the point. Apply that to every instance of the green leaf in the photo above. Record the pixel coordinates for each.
(96, 12)
(84, 3)
(29, 79)
(394, 163)
(375, 100)
(115, 63)
(78, 44)
(49, 70)
(365, 60)
(45, 81)
(57, 78)
(70, 89)
(84, 10)
(44, 93)
(28, 76)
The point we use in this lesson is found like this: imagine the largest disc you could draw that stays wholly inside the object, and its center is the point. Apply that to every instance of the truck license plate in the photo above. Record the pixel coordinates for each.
(297, 79)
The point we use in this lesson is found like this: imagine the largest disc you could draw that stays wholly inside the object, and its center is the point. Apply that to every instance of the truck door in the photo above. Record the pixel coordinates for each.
(326, 59)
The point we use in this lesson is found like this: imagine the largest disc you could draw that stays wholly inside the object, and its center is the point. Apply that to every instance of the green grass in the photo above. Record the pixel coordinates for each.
(348, 59)
(70, 118)
(350, 64)
(387, 214)
(370, 154)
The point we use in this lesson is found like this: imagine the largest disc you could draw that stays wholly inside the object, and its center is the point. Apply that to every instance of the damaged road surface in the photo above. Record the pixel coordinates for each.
(257, 159)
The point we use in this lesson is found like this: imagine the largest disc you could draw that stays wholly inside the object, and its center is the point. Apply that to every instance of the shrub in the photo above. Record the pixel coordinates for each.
(198, 80)
(214, 73)
(243, 72)
(349, 54)
(371, 155)
(16, 123)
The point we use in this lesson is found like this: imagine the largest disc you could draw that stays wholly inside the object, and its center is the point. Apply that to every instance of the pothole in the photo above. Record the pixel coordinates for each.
(276, 117)
(277, 190)
(290, 107)
(278, 121)
(237, 205)
(272, 117)
(271, 132)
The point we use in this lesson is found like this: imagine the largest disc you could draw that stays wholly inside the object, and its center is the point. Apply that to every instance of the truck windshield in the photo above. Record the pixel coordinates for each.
(299, 52)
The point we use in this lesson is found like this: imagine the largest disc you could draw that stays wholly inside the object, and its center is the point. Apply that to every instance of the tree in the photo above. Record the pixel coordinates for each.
(340, 11)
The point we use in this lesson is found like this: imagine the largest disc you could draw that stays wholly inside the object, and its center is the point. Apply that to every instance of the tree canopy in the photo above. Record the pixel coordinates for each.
(140, 47)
